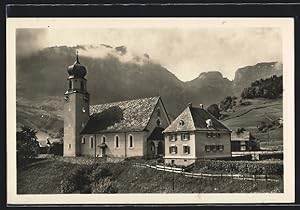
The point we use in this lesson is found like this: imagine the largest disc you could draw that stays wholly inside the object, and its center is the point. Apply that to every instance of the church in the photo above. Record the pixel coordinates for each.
(131, 128)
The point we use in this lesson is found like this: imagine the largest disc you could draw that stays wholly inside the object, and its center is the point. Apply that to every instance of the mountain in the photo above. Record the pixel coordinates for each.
(114, 74)
(209, 87)
(246, 75)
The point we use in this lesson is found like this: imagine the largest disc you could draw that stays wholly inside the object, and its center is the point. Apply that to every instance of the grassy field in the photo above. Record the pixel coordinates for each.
(249, 116)
(44, 177)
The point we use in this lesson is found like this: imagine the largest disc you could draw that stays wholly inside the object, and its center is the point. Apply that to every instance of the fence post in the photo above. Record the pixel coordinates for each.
(266, 176)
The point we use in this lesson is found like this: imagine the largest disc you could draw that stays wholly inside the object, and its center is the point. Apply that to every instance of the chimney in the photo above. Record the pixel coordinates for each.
(201, 106)
(190, 104)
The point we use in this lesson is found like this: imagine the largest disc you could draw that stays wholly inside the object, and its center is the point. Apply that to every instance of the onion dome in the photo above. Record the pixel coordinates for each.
(77, 70)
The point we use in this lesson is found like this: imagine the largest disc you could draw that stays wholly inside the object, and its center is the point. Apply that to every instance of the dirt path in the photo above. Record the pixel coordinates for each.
(249, 111)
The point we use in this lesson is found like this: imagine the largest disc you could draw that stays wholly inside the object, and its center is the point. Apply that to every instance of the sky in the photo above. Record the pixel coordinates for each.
(184, 52)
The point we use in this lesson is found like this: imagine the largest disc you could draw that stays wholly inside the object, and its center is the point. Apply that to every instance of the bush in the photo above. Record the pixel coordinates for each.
(265, 88)
(77, 180)
(214, 110)
(27, 145)
(84, 178)
(100, 173)
(104, 186)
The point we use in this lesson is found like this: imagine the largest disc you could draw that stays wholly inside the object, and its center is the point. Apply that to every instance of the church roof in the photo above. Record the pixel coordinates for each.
(130, 115)
(77, 70)
(194, 119)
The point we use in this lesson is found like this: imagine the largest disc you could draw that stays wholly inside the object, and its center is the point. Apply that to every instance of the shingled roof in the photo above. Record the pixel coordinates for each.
(194, 118)
(130, 115)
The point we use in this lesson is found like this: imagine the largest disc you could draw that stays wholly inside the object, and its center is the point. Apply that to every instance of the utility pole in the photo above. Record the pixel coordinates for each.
(268, 138)
(173, 178)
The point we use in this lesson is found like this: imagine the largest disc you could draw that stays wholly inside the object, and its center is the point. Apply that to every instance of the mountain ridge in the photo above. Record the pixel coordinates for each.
(119, 75)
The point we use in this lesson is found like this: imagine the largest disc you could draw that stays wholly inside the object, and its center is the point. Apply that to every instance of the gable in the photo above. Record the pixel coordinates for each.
(184, 122)
(159, 114)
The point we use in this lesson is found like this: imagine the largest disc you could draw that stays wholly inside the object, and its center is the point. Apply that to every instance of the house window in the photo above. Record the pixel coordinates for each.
(70, 146)
(173, 150)
(117, 141)
(130, 141)
(207, 148)
(83, 140)
(103, 139)
(91, 142)
(186, 150)
(173, 137)
(214, 135)
(243, 148)
(221, 147)
(185, 136)
(70, 84)
(214, 148)
(209, 135)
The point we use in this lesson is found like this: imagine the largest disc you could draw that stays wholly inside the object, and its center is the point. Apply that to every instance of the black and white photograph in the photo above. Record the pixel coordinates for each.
(161, 110)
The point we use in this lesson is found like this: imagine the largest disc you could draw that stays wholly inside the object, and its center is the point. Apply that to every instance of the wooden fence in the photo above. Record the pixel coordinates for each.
(271, 178)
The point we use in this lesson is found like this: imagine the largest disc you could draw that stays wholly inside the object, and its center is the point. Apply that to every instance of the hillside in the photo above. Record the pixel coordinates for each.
(251, 115)
(41, 113)
(114, 76)
(45, 177)
(246, 75)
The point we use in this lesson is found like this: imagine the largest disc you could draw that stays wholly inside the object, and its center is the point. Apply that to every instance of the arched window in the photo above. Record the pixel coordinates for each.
(103, 139)
(70, 84)
(130, 141)
(83, 140)
(117, 141)
(81, 85)
(158, 122)
(91, 142)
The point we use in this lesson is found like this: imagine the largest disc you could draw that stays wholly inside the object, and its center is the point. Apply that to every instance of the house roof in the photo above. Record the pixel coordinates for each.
(194, 118)
(130, 115)
(157, 134)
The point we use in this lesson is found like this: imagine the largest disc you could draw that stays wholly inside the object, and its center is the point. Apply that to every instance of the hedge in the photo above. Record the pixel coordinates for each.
(239, 167)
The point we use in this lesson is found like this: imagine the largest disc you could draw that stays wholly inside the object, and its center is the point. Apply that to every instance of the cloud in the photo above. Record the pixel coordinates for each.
(30, 40)
(185, 52)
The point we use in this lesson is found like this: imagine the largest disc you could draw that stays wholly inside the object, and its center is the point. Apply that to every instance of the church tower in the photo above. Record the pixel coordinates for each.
(76, 108)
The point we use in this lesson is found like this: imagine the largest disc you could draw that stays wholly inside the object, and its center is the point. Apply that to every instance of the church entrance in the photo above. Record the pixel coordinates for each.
(156, 143)
(160, 148)
(102, 148)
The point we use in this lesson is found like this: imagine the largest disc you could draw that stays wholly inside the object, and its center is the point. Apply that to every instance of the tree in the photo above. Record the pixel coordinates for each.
(214, 110)
(27, 144)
